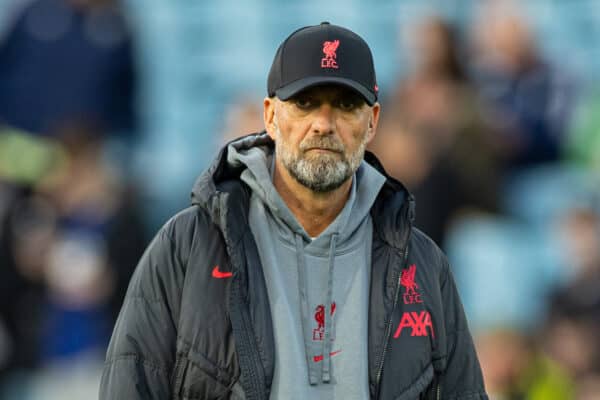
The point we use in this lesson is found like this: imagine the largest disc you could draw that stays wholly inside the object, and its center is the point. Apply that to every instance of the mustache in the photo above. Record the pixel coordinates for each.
(322, 142)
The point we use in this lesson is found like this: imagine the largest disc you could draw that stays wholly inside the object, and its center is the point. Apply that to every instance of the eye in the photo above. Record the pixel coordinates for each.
(303, 102)
(349, 102)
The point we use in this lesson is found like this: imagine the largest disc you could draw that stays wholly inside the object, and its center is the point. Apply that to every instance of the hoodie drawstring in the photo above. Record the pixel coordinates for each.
(304, 309)
(326, 374)
(311, 349)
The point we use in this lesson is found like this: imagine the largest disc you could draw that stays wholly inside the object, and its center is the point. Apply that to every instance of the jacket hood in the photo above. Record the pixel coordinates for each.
(219, 177)
(207, 185)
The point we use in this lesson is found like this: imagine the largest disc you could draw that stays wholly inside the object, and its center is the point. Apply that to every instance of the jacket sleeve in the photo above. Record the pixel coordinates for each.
(462, 378)
(141, 353)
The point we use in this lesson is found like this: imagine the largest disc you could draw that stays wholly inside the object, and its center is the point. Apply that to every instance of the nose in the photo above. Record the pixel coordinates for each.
(324, 120)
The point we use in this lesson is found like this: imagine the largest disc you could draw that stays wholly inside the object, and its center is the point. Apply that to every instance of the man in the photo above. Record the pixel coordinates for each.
(296, 274)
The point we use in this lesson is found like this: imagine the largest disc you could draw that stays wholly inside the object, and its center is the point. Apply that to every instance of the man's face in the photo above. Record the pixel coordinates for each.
(321, 134)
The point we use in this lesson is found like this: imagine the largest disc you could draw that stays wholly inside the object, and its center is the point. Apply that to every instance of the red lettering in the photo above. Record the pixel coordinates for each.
(328, 63)
(412, 298)
(418, 329)
(406, 321)
(418, 322)
(428, 323)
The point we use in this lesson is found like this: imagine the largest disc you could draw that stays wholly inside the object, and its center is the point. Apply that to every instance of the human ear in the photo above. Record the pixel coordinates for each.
(373, 121)
(269, 116)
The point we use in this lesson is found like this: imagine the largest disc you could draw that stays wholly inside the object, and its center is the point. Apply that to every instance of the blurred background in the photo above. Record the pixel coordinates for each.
(491, 116)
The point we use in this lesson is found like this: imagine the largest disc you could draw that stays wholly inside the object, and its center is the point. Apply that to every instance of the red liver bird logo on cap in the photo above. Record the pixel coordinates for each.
(329, 48)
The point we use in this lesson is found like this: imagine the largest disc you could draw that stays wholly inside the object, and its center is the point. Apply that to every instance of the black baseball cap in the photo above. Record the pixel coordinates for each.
(322, 54)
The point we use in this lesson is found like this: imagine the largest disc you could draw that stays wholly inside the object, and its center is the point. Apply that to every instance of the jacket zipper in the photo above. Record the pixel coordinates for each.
(433, 392)
(247, 343)
(255, 361)
(388, 326)
(436, 390)
(246, 335)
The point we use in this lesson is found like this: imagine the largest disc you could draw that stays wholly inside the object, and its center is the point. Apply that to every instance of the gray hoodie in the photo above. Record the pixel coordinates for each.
(318, 287)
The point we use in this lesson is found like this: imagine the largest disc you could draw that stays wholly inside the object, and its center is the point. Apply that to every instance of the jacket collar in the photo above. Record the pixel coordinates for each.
(392, 212)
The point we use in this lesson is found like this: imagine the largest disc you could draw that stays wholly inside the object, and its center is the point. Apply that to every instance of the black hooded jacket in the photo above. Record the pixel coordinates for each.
(196, 321)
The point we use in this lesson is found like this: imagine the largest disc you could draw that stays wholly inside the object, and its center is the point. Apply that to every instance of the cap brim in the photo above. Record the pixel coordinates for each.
(295, 87)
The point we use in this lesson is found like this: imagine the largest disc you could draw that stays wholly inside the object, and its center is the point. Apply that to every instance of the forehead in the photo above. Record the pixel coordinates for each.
(328, 91)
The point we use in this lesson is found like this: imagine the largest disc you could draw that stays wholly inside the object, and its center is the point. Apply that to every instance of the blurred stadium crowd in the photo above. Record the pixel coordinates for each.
(491, 116)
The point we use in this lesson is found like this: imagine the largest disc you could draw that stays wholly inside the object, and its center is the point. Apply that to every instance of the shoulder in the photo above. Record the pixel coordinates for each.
(185, 221)
(188, 228)
(184, 234)
(424, 249)
(420, 240)
(177, 249)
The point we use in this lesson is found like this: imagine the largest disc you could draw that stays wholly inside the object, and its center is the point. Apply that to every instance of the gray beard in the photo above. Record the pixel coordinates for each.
(324, 172)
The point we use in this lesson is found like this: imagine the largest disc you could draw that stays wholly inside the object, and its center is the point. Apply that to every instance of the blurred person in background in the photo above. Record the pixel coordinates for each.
(24, 160)
(571, 331)
(515, 367)
(434, 138)
(63, 61)
(96, 235)
(68, 242)
(529, 100)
